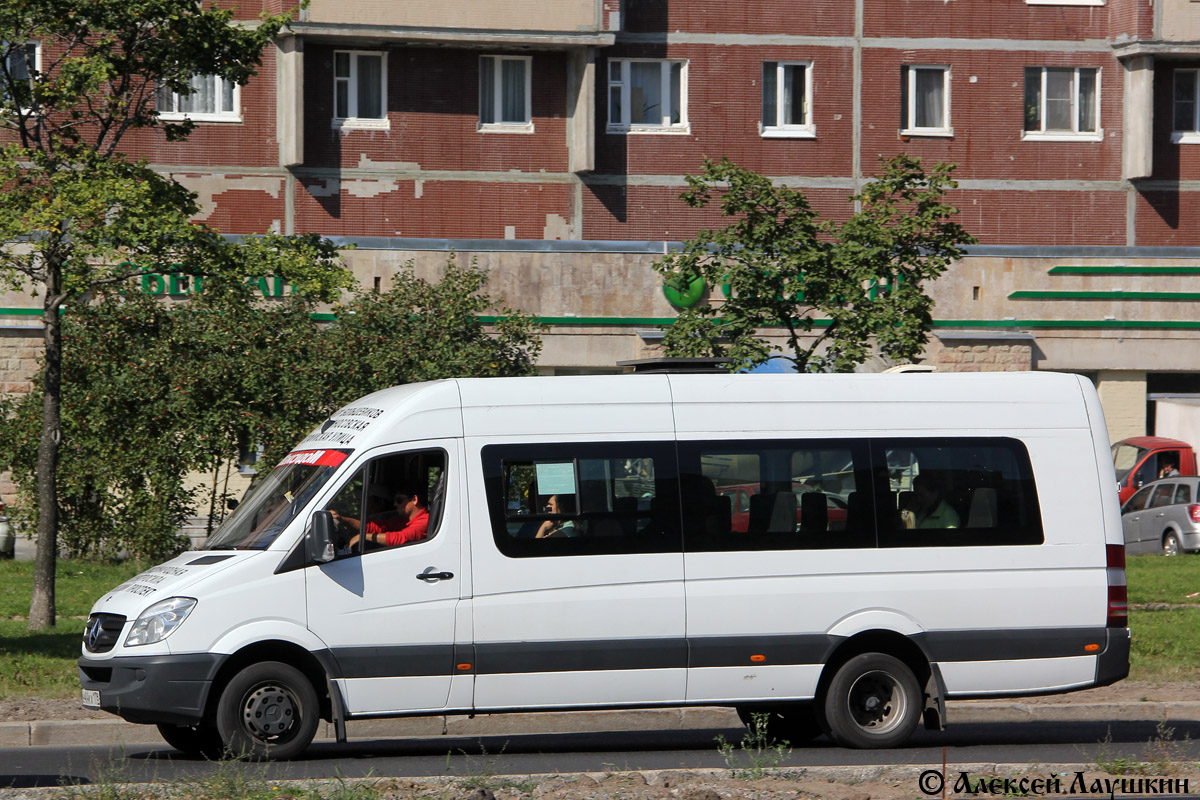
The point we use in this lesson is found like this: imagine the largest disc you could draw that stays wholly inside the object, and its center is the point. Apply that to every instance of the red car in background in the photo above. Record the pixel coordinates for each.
(1141, 459)
(739, 497)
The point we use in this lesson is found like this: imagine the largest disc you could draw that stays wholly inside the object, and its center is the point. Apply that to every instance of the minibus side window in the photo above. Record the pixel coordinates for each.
(955, 492)
(369, 498)
(775, 495)
(582, 499)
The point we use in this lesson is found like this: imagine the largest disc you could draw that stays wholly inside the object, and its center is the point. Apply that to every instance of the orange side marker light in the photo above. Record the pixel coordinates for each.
(757, 658)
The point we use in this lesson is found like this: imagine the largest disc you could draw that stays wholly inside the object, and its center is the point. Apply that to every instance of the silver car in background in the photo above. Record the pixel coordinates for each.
(1163, 517)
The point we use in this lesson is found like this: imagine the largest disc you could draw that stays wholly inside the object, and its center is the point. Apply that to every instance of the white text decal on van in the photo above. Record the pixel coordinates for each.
(343, 426)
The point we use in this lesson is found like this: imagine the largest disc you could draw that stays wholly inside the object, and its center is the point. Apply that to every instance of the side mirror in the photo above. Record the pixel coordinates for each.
(318, 542)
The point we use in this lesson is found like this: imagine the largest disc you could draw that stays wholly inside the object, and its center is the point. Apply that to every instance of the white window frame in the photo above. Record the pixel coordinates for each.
(1064, 2)
(1186, 136)
(623, 83)
(354, 121)
(37, 65)
(910, 111)
(497, 96)
(224, 115)
(805, 130)
(1058, 136)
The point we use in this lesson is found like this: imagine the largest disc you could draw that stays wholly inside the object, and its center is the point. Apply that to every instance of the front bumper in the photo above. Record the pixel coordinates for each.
(168, 688)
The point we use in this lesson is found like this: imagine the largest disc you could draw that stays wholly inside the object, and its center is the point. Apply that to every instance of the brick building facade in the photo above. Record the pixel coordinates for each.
(551, 142)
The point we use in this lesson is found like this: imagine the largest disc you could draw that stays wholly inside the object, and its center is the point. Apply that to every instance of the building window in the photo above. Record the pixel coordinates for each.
(21, 62)
(504, 93)
(359, 89)
(1187, 126)
(787, 87)
(1062, 103)
(925, 101)
(647, 95)
(213, 99)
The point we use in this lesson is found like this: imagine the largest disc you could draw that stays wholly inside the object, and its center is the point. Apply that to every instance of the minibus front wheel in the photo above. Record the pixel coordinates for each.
(269, 710)
(874, 700)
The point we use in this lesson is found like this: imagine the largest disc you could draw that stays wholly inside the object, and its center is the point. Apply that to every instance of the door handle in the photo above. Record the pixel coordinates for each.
(429, 576)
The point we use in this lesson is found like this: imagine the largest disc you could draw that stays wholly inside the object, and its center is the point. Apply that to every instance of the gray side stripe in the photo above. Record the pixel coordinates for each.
(498, 659)
(402, 661)
(716, 651)
(1004, 645)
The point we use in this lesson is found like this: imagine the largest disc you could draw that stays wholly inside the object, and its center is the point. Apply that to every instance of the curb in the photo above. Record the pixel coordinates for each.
(116, 732)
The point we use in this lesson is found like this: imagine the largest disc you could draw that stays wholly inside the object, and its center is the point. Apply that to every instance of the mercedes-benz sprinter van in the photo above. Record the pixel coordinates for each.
(573, 542)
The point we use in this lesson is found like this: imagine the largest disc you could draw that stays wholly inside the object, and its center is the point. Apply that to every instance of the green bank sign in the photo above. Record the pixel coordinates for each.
(155, 283)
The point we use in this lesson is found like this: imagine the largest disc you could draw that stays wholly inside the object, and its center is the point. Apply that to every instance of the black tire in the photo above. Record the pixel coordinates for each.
(794, 723)
(268, 711)
(1170, 544)
(197, 740)
(873, 701)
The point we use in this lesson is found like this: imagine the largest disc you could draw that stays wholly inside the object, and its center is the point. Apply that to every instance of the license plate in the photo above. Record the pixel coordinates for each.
(91, 698)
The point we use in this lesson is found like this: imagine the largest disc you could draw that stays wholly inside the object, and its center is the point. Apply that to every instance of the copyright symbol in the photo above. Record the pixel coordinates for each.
(931, 782)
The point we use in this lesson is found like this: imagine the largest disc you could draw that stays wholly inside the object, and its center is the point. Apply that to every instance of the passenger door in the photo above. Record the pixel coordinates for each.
(755, 595)
(592, 612)
(388, 614)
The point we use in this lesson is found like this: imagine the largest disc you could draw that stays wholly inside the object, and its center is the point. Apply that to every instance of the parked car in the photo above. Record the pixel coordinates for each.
(1141, 459)
(1163, 516)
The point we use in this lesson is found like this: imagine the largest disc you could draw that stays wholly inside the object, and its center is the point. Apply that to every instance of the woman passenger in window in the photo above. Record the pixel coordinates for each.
(556, 527)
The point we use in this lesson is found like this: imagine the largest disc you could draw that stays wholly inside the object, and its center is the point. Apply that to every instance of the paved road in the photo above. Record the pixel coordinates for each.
(1043, 743)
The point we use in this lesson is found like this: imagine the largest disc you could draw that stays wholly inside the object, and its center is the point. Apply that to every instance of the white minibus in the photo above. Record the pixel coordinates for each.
(834, 554)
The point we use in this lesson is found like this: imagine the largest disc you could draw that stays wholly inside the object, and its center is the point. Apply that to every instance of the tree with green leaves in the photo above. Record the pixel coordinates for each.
(155, 391)
(76, 77)
(835, 289)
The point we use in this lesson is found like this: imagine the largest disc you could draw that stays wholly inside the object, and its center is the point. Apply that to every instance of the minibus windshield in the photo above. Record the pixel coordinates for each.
(277, 500)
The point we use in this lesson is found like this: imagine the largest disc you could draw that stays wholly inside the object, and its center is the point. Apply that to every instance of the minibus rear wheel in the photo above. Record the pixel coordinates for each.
(874, 700)
(794, 723)
(195, 740)
(268, 710)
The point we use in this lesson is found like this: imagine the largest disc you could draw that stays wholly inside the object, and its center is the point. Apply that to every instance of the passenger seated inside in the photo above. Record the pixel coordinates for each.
(556, 527)
(928, 509)
(410, 524)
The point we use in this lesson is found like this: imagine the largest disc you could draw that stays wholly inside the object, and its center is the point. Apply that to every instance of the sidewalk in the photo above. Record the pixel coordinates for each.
(117, 732)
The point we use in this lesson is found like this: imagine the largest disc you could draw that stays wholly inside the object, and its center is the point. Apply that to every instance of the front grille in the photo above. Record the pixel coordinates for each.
(102, 631)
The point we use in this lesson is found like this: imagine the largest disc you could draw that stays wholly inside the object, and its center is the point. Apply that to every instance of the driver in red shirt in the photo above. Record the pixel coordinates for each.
(410, 524)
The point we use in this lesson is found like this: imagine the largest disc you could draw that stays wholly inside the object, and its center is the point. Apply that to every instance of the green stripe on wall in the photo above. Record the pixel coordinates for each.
(1124, 271)
(1118, 295)
(970, 324)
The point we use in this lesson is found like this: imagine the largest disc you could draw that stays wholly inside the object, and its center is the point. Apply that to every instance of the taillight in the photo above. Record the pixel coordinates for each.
(1118, 592)
(1194, 512)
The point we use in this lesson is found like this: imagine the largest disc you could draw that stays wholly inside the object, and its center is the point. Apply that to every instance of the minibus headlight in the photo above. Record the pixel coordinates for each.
(159, 620)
